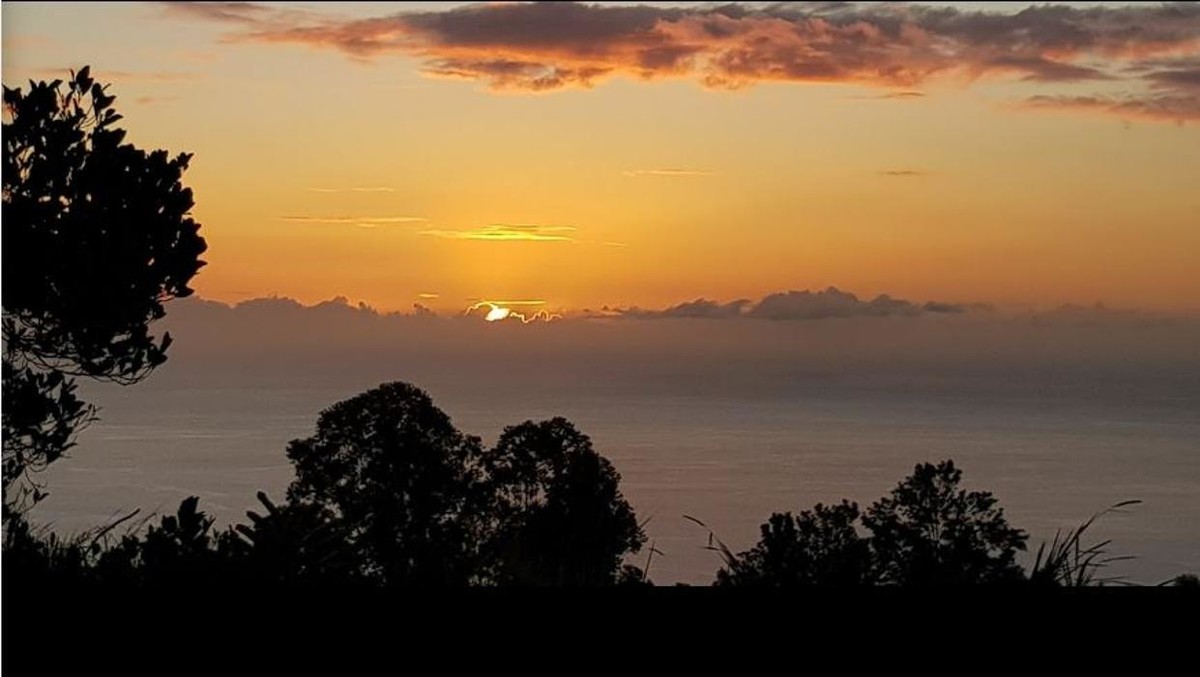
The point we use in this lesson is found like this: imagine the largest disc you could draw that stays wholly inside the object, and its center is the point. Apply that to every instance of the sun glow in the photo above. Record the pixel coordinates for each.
(497, 313)
(499, 310)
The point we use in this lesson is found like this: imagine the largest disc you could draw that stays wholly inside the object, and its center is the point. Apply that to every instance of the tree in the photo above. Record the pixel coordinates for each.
(819, 548)
(559, 517)
(97, 236)
(400, 481)
(929, 532)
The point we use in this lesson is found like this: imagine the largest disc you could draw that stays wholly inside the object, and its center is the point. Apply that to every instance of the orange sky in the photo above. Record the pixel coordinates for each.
(354, 151)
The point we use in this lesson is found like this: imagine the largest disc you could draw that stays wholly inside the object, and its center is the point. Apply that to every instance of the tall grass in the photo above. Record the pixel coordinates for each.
(1068, 562)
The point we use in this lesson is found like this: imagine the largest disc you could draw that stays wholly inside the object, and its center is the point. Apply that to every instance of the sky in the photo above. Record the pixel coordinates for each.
(638, 157)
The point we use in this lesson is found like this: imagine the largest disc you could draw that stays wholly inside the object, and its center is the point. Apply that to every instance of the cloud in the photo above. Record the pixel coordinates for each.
(807, 305)
(246, 13)
(1097, 315)
(1152, 107)
(508, 233)
(903, 172)
(360, 221)
(900, 94)
(949, 308)
(547, 46)
(698, 309)
(793, 305)
(668, 172)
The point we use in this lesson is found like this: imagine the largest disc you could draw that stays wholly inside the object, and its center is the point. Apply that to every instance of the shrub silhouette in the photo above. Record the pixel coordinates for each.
(926, 532)
(178, 551)
(557, 513)
(291, 544)
(820, 547)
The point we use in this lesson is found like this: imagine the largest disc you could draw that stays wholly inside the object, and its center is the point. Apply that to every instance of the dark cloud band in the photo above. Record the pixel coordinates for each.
(547, 46)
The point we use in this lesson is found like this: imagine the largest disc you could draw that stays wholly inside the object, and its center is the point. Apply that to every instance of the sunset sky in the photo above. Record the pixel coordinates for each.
(622, 155)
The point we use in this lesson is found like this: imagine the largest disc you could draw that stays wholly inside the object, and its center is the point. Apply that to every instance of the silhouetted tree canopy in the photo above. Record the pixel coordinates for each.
(928, 531)
(560, 518)
(420, 503)
(41, 416)
(819, 547)
(402, 482)
(97, 236)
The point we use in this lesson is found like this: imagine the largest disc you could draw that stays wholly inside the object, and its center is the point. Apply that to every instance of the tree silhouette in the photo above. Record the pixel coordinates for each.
(97, 237)
(820, 547)
(930, 532)
(559, 517)
(927, 532)
(400, 481)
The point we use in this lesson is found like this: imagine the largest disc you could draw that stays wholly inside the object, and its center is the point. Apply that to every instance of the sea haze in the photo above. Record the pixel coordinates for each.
(1059, 413)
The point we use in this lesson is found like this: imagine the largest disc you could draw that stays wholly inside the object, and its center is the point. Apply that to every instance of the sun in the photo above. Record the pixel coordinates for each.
(497, 313)
(499, 310)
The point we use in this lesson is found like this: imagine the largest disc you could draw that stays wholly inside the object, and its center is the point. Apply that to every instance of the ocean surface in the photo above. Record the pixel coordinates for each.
(729, 461)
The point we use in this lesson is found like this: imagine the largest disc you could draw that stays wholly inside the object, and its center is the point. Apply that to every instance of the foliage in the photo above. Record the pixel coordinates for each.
(820, 547)
(558, 515)
(41, 418)
(1190, 581)
(96, 232)
(388, 493)
(177, 551)
(291, 544)
(1069, 563)
(97, 237)
(39, 559)
(928, 531)
(400, 480)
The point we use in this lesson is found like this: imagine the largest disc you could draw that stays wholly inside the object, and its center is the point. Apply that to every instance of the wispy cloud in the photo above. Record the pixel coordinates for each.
(901, 94)
(508, 233)
(244, 13)
(903, 172)
(360, 221)
(547, 46)
(428, 295)
(668, 172)
(1151, 107)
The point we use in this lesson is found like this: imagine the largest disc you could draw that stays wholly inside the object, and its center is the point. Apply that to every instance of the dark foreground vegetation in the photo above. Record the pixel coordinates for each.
(387, 494)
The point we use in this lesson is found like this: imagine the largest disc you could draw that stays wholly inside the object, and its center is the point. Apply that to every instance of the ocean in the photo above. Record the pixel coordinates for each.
(727, 460)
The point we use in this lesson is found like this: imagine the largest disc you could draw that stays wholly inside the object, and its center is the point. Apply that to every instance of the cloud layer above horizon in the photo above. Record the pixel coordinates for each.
(1143, 60)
